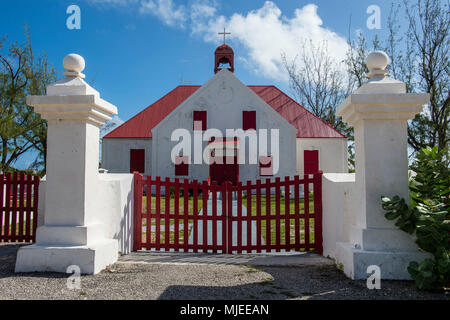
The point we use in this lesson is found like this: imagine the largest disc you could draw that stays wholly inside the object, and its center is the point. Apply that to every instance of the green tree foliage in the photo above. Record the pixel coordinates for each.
(428, 215)
(21, 74)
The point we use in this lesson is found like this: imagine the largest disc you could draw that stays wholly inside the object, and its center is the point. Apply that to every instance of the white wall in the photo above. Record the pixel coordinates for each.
(116, 154)
(332, 153)
(224, 98)
(338, 196)
(115, 207)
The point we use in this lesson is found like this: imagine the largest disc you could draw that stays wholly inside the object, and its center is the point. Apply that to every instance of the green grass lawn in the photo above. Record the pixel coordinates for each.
(273, 223)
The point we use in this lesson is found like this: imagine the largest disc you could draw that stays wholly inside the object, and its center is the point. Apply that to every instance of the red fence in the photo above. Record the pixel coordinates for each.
(255, 217)
(18, 207)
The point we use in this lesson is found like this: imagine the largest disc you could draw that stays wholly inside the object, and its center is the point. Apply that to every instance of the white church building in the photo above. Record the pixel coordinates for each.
(306, 143)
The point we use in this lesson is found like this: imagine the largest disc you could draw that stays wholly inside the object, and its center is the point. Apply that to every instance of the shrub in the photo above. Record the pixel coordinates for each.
(428, 216)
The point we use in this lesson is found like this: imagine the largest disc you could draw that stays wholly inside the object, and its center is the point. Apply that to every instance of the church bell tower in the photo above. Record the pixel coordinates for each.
(223, 56)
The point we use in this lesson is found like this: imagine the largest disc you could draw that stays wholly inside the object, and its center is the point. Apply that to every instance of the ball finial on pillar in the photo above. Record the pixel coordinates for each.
(74, 65)
(377, 62)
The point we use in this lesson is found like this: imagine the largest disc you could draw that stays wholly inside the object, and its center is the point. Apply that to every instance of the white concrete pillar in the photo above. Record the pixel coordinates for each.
(379, 112)
(73, 231)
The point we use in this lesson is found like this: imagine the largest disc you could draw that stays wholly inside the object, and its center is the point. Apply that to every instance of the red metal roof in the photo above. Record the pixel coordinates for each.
(307, 124)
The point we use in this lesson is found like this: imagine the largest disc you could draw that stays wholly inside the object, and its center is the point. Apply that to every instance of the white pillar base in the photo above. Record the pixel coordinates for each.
(91, 258)
(393, 264)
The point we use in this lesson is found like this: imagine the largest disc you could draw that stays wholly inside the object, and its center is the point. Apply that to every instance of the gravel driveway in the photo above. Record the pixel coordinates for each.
(138, 277)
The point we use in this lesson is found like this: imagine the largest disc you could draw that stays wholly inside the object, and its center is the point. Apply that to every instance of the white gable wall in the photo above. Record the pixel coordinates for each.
(116, 154)
(332, 153)
(224, 98)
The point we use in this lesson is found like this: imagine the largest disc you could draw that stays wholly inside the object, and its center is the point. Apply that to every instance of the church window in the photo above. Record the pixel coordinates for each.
(265, 166)
(200, 120)
(181, 166)
(248, 120)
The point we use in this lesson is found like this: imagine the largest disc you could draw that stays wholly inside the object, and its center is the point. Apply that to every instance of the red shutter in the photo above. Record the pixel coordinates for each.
(248, 120)
(265, 166)
(181, 166)
(311, 161)
(200, 116)
(137, 160)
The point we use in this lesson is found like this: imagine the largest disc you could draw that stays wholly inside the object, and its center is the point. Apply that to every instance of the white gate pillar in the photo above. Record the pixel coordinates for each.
(72, 233)
(379, 111)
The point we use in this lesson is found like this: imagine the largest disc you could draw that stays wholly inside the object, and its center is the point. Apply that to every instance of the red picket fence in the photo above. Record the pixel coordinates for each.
(255, 217)
(18, 207)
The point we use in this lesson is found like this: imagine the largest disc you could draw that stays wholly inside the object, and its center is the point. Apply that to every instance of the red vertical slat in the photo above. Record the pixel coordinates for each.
(167, 214)
(297, 212)
(229, 217)
(239, 216)
(137, 243)
(148, 233)
(2, 190)
(306, 210)
(36, 181)
(278, 214)
(158, 213)
(224, 217)
(15, 186)
(29, 183)
(177, 214)
(318, 212)
(287, 223)
(214, 215)
(195, 213)
(7, 206)
(249, 216)
(185, 214)
(205, 215)
(21, 208)
(268, 218)
(258, 216)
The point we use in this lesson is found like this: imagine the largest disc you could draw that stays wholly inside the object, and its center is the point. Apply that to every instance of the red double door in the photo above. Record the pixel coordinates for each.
(224, 169)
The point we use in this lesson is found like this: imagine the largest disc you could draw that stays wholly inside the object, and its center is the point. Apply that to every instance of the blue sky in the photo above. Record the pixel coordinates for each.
(138, 50)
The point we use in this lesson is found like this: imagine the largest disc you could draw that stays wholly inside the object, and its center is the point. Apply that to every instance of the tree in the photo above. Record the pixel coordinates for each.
(419, 57)
(21, 74)
(320, 84)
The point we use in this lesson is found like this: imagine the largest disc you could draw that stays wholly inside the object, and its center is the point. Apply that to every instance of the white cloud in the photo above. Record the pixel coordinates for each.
(260, 36)
(266, 33)
(166, 11)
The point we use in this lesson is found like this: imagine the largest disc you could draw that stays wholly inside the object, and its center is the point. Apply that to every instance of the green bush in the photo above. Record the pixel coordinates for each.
(428, 216)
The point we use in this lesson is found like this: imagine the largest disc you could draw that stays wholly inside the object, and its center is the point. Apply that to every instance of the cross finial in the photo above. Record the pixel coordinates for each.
(224, 34)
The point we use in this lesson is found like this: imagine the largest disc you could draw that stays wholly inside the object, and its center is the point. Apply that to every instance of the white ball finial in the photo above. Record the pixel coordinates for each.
(377, 62)
(74, 65)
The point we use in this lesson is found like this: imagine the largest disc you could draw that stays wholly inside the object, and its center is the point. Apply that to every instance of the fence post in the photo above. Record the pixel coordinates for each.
(318, 211)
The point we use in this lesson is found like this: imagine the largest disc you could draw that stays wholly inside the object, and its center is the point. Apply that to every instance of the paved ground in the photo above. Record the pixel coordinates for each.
(194, 276)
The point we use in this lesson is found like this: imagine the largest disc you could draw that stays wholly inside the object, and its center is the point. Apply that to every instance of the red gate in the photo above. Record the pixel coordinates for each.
(18, 207)
(260, 217)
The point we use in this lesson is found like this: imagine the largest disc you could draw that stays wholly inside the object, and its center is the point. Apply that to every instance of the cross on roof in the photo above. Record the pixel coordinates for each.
(224, 34)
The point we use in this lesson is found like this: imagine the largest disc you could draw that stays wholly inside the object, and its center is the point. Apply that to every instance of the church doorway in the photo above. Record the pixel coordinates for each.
(224, 161)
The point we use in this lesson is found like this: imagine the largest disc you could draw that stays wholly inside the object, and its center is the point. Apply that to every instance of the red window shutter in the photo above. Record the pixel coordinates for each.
(248, 120)
(200, 116)
(181, 166)
(265, 166)
(137, 160)
(311, 161)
